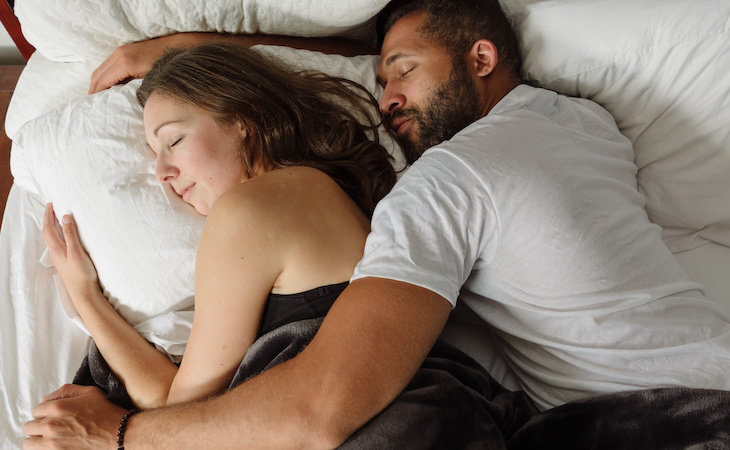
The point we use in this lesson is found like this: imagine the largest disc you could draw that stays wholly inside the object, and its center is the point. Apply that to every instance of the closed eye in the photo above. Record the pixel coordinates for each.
(176, 142)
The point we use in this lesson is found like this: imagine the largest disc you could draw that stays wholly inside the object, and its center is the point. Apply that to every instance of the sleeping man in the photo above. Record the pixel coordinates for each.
(520, 202)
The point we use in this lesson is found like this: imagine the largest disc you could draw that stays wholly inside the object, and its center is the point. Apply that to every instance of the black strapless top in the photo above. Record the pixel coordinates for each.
(281, 309)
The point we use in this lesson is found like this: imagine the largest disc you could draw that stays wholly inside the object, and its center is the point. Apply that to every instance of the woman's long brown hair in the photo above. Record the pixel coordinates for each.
(304, 118)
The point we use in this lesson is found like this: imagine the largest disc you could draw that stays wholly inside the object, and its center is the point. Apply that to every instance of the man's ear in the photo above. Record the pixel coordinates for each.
(483, 57)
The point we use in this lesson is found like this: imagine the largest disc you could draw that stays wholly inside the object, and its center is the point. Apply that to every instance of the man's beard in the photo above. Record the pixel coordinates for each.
(451, 106)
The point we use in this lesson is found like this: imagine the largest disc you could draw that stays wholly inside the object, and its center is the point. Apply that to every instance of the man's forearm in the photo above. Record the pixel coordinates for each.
(369, 346)
(254, 415)
(329, 45)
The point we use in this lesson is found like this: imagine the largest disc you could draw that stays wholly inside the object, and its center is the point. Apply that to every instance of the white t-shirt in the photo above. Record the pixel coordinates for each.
(531, 217)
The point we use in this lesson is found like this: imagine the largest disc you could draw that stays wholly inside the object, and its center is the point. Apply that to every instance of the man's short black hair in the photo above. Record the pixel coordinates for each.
(457, 24)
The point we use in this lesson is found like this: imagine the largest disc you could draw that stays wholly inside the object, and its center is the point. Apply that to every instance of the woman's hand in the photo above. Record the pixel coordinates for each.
(69, 256)
(146, 373)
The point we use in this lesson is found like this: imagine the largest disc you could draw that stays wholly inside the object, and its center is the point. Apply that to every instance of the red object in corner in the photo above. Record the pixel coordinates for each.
(10, 21)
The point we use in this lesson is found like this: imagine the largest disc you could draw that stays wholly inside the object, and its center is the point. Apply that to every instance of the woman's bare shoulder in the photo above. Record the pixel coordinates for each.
(287, 193)
(287, 188)
(312, 232)
(299, 178)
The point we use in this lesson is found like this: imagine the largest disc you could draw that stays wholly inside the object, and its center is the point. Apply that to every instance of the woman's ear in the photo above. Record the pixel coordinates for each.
(243, 128)
(483, 57)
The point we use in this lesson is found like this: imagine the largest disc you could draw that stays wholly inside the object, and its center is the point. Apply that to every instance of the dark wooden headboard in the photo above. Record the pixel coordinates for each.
(7, 16)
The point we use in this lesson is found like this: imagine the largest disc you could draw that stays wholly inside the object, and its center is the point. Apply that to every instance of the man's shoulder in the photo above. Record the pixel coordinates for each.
(542, 101)
(441, 172)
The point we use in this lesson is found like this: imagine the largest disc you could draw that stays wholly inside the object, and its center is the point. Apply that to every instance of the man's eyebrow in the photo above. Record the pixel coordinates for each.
(389, 61)
(395, 57)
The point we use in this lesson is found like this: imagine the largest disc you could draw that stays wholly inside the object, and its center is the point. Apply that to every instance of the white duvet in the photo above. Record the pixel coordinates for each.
(658, 67)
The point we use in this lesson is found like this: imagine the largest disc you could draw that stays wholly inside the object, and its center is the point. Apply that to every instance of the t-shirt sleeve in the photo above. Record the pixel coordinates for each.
(433, 229)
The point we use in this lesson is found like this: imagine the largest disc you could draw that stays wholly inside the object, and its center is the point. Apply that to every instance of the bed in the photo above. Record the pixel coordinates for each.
(659, 67)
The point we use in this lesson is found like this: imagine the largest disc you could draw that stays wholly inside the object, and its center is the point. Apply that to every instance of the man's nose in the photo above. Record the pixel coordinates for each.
(392, 99)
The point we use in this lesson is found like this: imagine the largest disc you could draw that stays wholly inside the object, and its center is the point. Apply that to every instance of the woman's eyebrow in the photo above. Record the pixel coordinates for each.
(157, 130)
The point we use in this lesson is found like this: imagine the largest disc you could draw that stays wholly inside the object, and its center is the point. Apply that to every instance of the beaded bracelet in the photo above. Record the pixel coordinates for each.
(123, 427)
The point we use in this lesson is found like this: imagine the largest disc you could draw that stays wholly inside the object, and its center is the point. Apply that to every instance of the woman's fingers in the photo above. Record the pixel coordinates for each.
(71, 236)
(51, 233)
(62, 240)
(68, 253)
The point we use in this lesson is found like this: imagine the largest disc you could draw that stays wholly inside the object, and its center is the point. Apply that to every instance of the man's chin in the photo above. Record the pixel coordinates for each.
(411, 150)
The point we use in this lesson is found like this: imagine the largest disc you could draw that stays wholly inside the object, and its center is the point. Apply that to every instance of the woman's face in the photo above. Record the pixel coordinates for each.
(196, 155)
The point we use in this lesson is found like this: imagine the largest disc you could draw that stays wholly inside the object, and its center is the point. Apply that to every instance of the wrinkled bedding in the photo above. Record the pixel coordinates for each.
(452, 402)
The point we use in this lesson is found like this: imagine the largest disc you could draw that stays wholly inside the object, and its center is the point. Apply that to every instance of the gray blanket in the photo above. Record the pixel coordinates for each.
(453, 403)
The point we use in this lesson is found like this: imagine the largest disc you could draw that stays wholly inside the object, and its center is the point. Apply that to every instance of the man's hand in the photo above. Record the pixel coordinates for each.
(129, 62)
(135, 60)
(74, 417)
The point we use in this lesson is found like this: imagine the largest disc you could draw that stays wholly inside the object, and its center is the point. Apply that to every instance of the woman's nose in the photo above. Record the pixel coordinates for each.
(164, 171)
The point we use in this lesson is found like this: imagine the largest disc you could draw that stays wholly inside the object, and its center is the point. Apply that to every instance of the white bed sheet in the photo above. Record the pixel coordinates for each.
(709, 265)
(40, 348)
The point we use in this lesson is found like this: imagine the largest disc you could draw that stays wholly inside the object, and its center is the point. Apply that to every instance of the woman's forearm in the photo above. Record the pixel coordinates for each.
(146, 373)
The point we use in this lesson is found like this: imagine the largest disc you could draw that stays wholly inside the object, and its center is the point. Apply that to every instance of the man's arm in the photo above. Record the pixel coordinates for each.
(135, 60)
(369, 347)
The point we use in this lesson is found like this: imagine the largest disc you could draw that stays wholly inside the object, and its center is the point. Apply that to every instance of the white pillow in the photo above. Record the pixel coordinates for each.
(83, 33)
(661, 68)
(88, 157)
(93, 29)
(44, 85)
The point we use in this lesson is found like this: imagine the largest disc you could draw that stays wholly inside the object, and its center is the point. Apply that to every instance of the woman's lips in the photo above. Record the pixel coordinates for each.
(187, 192)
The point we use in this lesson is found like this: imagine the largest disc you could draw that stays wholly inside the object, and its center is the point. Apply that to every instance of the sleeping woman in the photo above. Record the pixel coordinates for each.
(287, 168)
(283, 168)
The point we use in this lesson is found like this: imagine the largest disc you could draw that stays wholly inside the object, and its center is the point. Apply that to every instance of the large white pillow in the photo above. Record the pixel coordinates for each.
(44, 85)
(661, 68)
(92, 29)
(88, 157)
